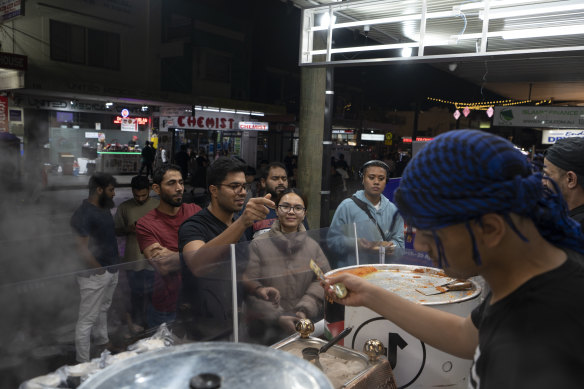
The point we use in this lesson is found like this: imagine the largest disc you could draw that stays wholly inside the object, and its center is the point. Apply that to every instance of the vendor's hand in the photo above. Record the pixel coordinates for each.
(257, 208)
(288, 323)
(357, 289)
(269, 293)
(301, 315)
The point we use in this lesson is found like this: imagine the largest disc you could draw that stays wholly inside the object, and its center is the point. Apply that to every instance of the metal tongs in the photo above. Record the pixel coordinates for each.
(448, 287)
(339, 289)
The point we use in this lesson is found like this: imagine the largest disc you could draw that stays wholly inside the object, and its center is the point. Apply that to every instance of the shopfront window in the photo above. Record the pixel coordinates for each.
(88, 137)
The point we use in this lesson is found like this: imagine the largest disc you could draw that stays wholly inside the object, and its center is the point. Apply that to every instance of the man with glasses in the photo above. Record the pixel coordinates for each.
(203, 240)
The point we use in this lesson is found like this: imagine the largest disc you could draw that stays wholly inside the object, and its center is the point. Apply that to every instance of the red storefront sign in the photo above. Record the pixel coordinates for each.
(205, 122)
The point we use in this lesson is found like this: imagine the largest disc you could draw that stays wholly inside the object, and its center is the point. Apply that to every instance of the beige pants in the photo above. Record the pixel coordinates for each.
(97, 291)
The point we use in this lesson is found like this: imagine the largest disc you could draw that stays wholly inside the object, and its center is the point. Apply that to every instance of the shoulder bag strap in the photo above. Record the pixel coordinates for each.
(361, 204)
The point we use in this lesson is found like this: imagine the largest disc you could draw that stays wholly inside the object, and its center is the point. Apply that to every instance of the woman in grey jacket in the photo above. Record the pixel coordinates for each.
(280, 284)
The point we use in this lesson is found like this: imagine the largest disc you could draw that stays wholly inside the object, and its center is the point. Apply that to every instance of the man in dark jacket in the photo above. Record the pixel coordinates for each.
(148, 154)
(564, 163)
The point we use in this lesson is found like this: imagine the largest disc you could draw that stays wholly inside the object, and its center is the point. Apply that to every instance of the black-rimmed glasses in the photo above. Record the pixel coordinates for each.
(235, 186)
(296, 209)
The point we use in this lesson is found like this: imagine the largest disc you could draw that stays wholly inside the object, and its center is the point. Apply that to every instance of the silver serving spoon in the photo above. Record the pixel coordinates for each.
(311, 353)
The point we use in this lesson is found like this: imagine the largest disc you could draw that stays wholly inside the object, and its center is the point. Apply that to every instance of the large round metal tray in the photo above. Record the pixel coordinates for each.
(404, 279)
(239, 365)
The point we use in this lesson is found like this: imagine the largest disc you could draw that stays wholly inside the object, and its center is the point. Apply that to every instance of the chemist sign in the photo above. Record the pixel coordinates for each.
(253, 126)
(549, 137)
(204, 121)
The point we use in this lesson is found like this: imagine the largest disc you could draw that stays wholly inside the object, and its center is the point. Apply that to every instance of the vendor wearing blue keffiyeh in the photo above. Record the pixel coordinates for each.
(479, 209)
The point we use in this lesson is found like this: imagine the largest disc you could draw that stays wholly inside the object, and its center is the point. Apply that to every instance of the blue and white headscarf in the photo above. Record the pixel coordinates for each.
(463, 174)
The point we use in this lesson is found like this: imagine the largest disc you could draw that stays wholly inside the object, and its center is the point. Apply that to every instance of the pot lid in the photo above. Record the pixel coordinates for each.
(211, 365)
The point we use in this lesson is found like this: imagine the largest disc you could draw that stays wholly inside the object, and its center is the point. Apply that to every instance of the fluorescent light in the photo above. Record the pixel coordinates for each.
(492, 4)
(542, 32)
(407, 52)
(506, 13)
(227, 110)
(325, 20)
(257, 113)
(211, 109)
(108, 105)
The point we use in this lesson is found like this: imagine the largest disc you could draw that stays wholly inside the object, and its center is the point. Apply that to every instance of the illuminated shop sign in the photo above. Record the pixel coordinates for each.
(255, 126)
(204, 121)
(408, 139)
(373, 137)
(539, 117)
(140, 121)
(129, 124)
(549, 137)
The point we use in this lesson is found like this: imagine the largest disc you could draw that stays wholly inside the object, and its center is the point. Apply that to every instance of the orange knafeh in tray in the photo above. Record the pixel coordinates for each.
(359, 271)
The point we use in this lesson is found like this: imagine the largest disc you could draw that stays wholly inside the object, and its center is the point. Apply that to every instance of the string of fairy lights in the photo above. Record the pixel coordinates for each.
(485, 105)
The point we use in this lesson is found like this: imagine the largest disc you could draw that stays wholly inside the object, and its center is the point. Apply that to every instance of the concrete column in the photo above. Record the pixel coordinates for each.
(312, 101)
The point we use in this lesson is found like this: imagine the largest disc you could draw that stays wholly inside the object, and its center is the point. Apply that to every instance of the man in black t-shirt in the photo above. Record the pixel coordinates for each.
(479, 209)
(97, 245)
(204, 241)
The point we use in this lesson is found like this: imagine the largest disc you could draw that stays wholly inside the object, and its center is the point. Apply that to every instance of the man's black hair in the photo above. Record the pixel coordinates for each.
(101, 180)
(161, 171)
(219, 169)
(270, 166)
(140, 182)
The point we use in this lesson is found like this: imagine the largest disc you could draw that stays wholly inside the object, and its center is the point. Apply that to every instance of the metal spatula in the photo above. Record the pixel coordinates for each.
(444, 288)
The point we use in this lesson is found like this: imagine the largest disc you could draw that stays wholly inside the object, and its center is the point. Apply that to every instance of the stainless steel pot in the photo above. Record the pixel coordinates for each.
(414, 363)
(211, 365)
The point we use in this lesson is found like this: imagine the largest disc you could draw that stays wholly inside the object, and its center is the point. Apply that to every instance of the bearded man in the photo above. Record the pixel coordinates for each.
(157, 234)
(96, 243)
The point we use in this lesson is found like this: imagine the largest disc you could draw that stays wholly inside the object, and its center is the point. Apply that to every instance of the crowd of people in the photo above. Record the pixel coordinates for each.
(480, 209)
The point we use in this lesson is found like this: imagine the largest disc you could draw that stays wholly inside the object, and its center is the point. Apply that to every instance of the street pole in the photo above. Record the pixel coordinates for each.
(326, 149)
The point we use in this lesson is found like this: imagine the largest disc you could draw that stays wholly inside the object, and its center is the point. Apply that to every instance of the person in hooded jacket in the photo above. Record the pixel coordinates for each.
(378, 226)
(281, 286)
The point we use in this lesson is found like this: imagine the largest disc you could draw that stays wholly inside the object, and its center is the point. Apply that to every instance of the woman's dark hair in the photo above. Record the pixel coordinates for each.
(296, 192)
(219, 169)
